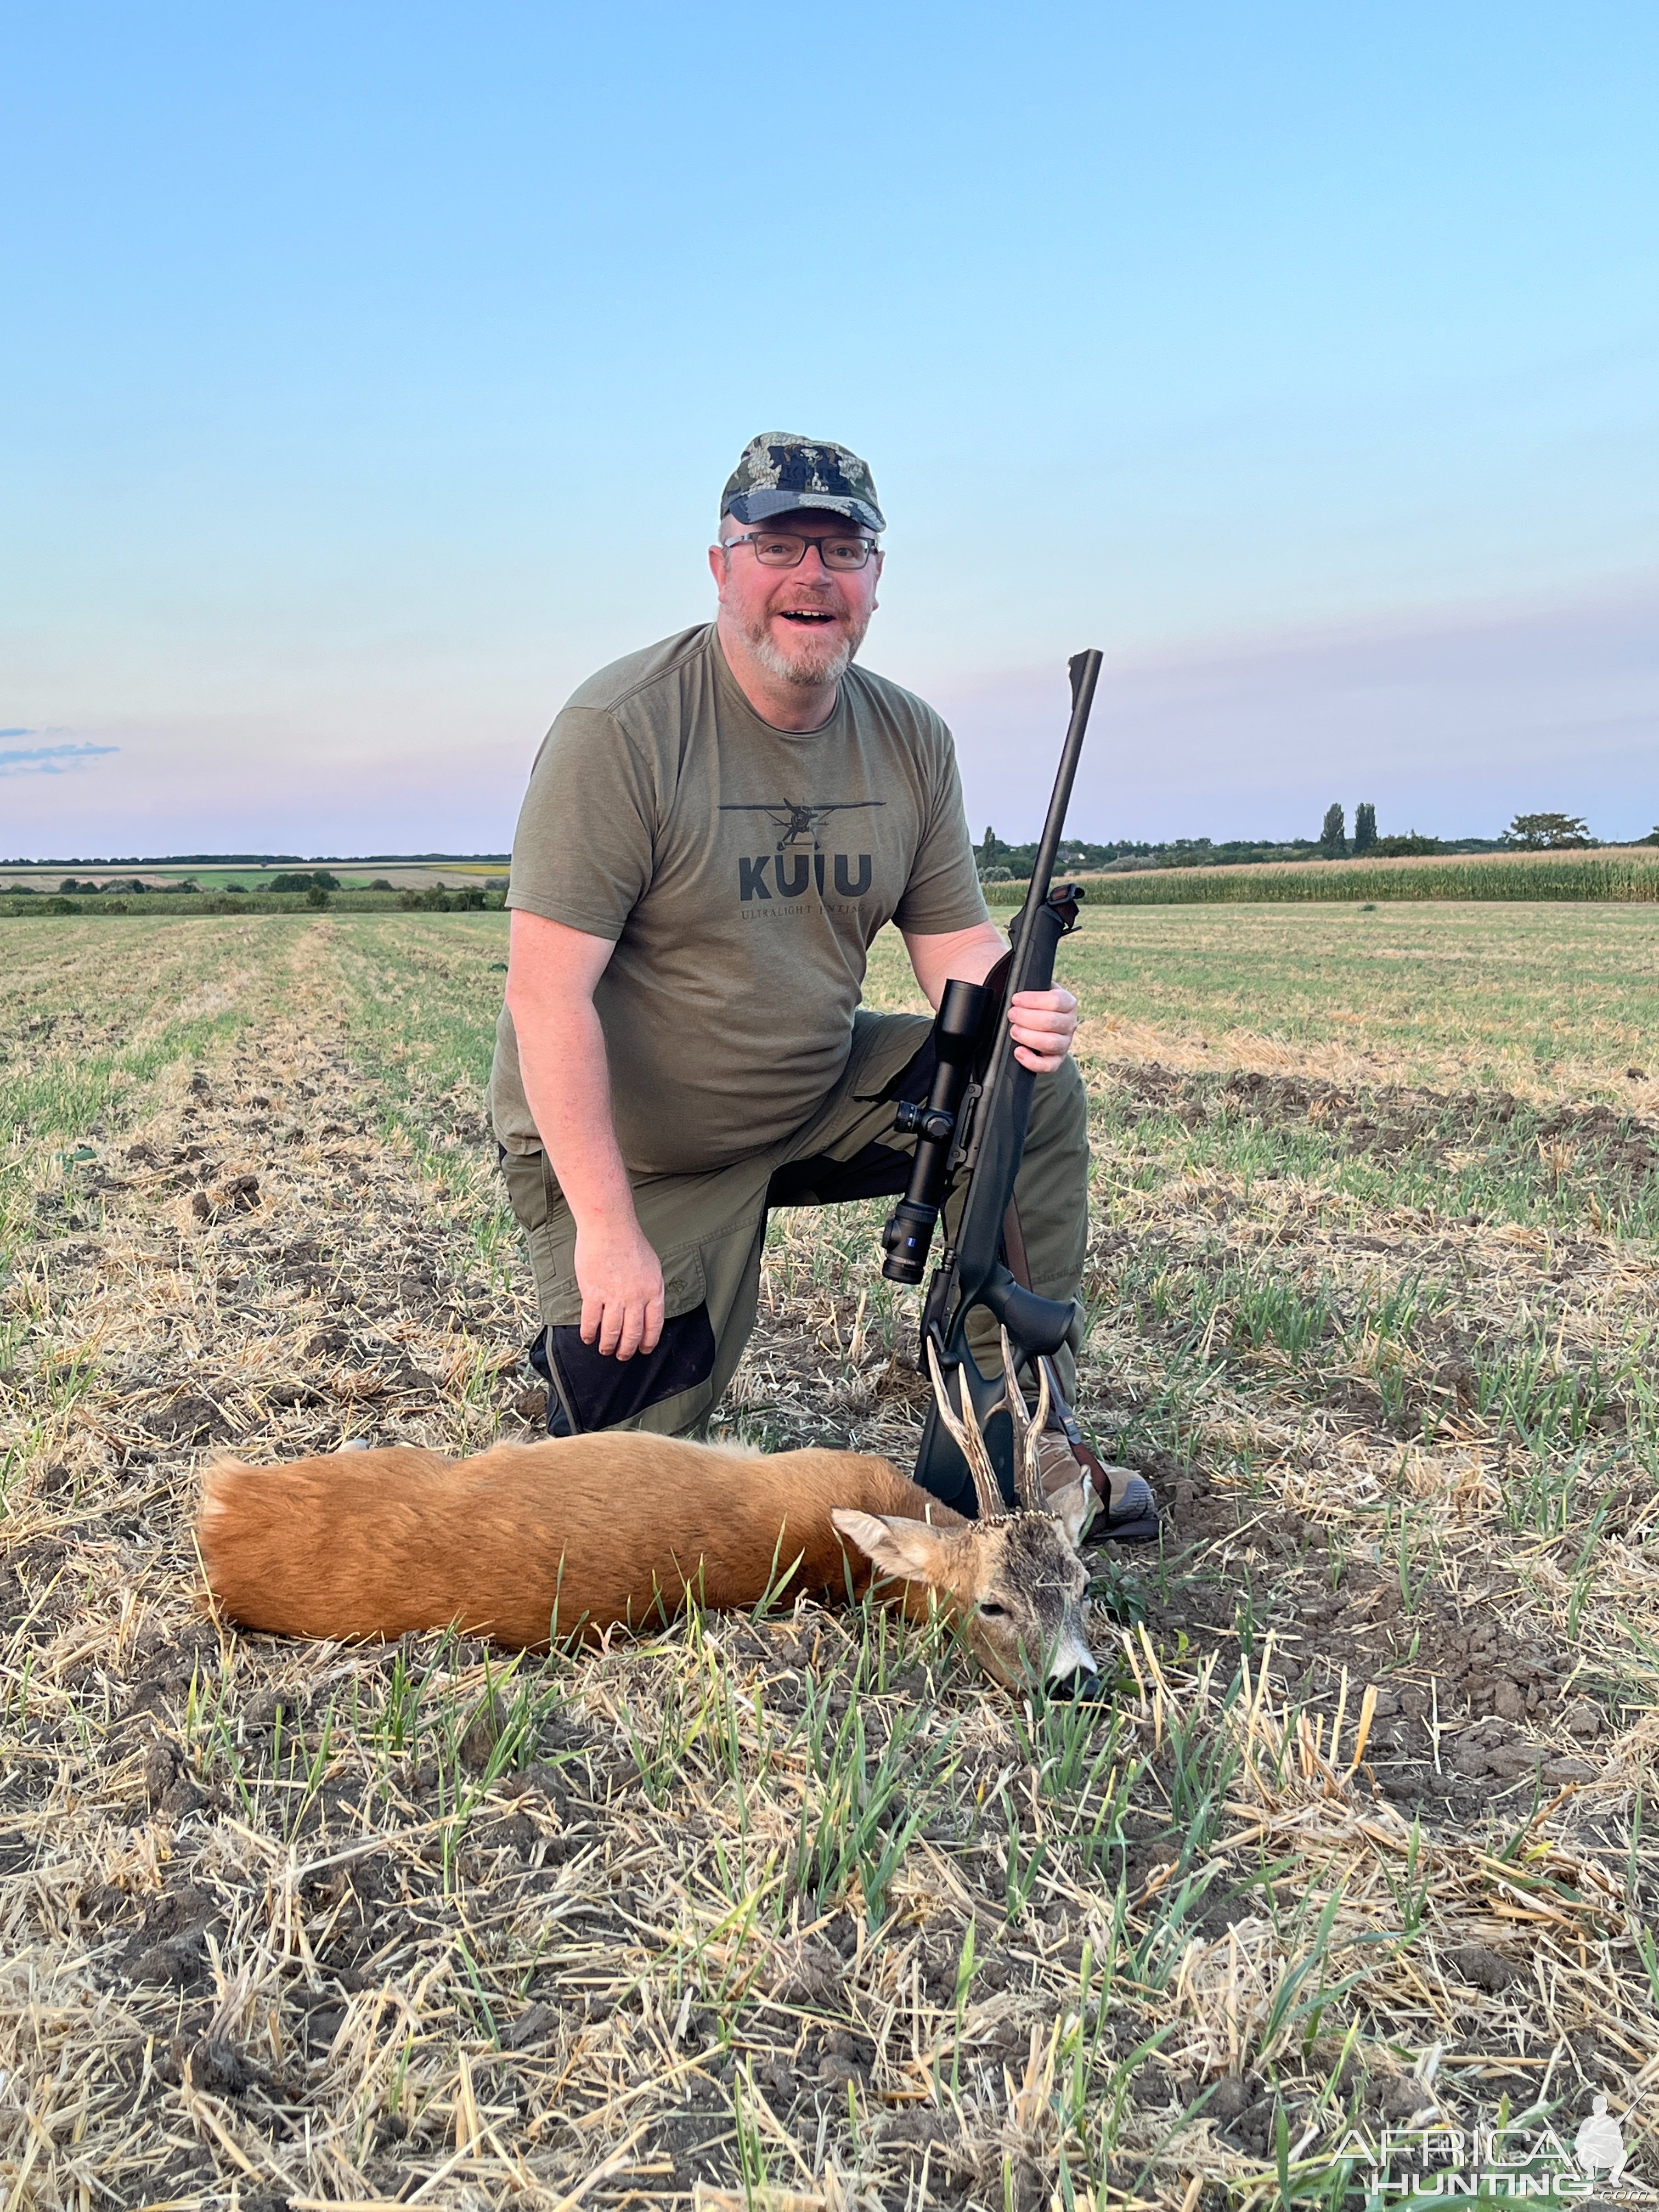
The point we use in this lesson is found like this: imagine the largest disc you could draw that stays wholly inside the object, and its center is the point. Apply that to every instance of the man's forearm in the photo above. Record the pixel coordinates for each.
(567, 1086)
(1043, 1023)
(966, 955)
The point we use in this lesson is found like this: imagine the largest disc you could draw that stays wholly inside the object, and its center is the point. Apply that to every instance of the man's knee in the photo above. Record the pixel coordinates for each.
(1052, 1187)
(1059, 1110)
(525, 1175)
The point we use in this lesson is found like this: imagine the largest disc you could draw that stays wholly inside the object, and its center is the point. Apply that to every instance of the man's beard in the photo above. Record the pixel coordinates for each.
(814, 660)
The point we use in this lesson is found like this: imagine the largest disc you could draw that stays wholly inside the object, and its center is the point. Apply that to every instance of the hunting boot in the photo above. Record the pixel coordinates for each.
(1126, 1511)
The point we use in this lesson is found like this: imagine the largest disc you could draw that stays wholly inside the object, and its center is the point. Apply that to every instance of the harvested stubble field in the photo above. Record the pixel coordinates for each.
(792, 1910)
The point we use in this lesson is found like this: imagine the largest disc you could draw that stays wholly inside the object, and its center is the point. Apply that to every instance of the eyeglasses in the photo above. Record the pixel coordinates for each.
(782, 549)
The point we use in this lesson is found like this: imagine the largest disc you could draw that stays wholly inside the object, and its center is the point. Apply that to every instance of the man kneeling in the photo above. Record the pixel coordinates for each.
(715, 830)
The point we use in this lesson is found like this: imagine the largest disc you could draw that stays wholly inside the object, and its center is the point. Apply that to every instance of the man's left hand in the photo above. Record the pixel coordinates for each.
(1043, 1023)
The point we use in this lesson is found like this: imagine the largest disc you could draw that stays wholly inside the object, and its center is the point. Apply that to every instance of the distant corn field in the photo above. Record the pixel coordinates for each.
(1623, 873)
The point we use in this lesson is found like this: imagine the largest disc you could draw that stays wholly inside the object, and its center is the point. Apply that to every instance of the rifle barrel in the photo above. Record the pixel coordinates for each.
(1085, 674)
(973, 1273)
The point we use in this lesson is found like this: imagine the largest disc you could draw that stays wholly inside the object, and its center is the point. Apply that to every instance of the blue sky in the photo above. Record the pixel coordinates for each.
(371, 374)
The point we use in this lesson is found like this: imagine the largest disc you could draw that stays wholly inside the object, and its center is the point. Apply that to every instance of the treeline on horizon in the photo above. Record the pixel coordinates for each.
(1001, 862)
(998, 860)
(260, 860)
(316, 885)
(316, 891)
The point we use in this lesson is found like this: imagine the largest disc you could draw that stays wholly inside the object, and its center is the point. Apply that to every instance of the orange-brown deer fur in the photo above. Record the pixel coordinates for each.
(575, 1532)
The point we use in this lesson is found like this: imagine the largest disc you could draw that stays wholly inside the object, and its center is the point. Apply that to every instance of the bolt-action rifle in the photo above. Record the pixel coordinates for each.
(970, 1134)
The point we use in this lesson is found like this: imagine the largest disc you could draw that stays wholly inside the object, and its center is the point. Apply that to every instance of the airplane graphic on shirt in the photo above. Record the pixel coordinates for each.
(797, 826)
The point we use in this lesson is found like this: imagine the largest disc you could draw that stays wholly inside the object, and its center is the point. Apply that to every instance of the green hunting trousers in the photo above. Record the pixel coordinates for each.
(709, 1230)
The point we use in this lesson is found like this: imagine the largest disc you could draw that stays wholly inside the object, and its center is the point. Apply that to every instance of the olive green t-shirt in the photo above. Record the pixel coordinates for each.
(741, 873)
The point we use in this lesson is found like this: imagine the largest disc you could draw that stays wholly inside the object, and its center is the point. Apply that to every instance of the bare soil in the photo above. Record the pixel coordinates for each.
(794, 1909)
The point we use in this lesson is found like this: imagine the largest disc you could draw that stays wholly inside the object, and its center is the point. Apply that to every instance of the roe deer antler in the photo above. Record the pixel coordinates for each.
(966, 1437)
(1027, 1477)
(970, 1443)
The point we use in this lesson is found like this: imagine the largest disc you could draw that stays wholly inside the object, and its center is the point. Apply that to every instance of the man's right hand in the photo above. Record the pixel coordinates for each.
(620, 1277)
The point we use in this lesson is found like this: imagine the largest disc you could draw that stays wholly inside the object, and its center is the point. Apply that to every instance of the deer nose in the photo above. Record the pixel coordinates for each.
(1081, 1687)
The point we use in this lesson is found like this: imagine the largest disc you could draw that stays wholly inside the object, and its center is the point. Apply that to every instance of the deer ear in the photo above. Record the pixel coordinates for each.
(1074, 1508)
(909, 1550)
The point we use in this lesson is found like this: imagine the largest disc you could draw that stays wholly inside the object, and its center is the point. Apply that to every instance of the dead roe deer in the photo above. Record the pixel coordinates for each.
(526, 1543)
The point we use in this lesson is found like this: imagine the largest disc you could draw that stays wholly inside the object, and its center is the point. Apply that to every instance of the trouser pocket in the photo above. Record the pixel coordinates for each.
(587, 1389)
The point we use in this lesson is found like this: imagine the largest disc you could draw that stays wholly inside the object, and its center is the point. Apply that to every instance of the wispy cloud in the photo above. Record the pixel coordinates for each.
(46, 760)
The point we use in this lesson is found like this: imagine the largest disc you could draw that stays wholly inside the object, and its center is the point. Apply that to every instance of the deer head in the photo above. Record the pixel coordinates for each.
(1014, 1580)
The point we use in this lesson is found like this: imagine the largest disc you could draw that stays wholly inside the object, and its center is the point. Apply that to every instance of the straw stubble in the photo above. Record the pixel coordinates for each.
(793, 1910)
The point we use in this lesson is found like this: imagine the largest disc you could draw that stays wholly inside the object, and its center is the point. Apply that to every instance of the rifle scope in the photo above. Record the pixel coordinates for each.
(909, 1231)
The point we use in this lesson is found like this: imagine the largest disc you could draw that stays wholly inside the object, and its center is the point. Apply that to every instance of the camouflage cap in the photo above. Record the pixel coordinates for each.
(778, 473)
